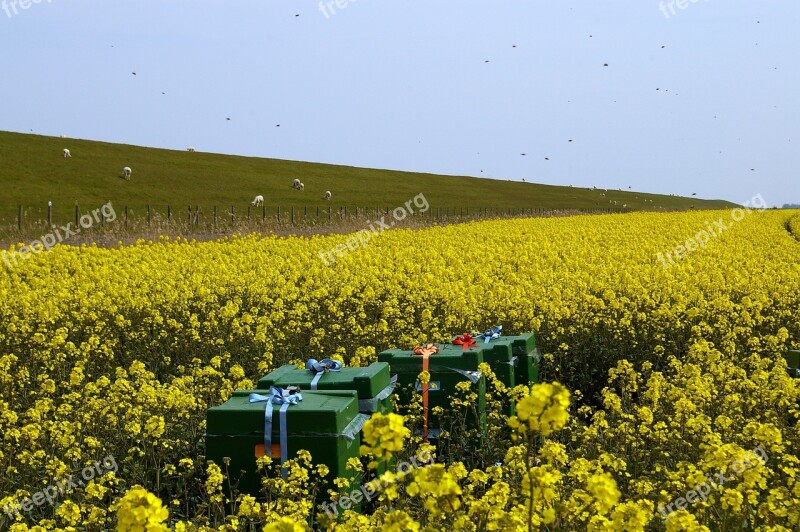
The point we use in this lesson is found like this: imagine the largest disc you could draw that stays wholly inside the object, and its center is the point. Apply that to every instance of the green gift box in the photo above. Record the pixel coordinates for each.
(793, 362)
(324, 423)
(528, 356)
(447, 368)
(373, 383)
(500, 358)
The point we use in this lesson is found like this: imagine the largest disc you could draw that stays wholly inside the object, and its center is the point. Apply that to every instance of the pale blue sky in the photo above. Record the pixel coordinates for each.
(405, 85)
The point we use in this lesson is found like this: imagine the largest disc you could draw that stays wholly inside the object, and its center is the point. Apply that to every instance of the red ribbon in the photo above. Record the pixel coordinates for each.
(465, 341)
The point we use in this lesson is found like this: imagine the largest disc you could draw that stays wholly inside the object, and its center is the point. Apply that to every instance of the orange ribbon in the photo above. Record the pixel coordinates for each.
(425, 352)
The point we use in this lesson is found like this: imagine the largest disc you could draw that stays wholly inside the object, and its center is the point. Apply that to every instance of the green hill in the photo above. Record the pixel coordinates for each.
(34, 171)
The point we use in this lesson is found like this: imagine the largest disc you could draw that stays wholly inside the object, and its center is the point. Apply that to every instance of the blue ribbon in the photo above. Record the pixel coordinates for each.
(326, 364)
(277, 396)
(491, 334)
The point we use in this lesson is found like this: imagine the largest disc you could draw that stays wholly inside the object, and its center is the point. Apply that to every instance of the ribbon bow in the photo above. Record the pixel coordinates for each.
(326, 364)
(426, 351)
(491, 334)
(465, 341)
(320, 368)
(277, 396)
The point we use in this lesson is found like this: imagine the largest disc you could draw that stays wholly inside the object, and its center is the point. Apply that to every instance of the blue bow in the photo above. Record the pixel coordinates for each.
(491, 334)
(277, 396)
(326, 364)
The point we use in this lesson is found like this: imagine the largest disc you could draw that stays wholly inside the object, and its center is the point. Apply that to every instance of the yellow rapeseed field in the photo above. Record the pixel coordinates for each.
(665, 402)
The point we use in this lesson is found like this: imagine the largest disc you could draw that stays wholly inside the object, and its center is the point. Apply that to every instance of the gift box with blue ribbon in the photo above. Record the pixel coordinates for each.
(278, 423)
(373, 383)
(448, 366)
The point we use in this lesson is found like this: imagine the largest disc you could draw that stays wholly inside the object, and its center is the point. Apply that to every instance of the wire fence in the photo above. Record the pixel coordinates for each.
(154, 220)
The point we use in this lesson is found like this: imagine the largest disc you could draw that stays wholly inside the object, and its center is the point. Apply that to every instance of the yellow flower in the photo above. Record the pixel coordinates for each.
(545, 409)
(383, 435)
(139, 510)
(399, 521)
(285, 524)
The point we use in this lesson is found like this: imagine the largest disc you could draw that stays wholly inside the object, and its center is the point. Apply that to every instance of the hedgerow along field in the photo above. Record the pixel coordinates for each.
(35, 172)
(666, 376)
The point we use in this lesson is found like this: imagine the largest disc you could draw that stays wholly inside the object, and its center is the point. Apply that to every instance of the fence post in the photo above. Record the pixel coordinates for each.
(50, 214)
(19, 218)
(292, 215)
(197, 215)
(214, 222)
(263, 212)
(279, 214)
(329, 212)
(148, 215)
(169, 213)
(126, 216)
(317, 211)
(248, 212)
(232, 217)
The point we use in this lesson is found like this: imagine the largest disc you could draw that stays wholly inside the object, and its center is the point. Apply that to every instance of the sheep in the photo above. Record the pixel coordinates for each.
(67, 153)
(258, 201)
(190, 148)
(327, 195)
(301, 187)
(296, 183)
(126, 172)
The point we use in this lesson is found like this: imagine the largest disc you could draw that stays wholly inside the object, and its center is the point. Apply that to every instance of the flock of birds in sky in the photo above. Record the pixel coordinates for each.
(514, 45)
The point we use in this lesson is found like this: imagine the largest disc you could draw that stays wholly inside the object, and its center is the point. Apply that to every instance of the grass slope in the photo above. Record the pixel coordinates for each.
(34, 171)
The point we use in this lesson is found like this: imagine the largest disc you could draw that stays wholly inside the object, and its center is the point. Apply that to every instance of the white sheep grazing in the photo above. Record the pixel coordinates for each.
(327, 195)
(67, 153)
(301, 187)
(126, 172)
(296, 183)
(190, 148)
(258, 201)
